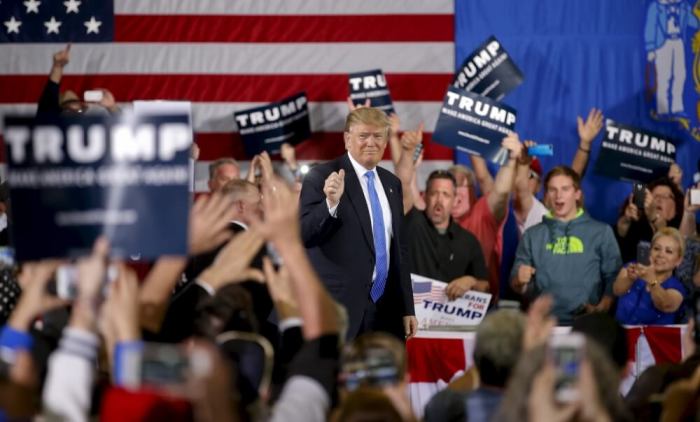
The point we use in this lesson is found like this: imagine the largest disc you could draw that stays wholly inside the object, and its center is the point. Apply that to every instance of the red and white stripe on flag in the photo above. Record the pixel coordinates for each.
(229, 55)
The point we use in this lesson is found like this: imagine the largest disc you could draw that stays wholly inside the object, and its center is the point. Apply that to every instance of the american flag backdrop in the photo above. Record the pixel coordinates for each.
(227, 55)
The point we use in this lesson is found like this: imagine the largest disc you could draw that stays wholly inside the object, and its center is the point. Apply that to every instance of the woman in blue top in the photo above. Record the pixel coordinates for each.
(650, 294)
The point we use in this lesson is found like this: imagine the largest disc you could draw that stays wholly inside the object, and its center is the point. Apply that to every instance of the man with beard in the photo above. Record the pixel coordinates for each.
(439, 248)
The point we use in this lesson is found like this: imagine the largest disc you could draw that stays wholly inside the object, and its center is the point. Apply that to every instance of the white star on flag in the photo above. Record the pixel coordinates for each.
(72, 6)
(93, 25)
(52, 25)
(13, 25)
(32, 6)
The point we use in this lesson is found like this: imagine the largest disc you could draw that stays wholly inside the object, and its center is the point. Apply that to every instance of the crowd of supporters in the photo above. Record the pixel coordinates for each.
(246, 326)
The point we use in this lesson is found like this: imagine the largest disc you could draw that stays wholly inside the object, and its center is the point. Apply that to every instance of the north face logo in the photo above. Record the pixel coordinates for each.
(566, 245)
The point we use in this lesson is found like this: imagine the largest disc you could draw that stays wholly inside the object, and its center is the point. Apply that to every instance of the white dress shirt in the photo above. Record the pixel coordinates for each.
(386, 209)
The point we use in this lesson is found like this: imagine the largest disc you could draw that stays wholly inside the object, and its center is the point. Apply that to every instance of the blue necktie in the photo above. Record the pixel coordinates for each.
(379, 240)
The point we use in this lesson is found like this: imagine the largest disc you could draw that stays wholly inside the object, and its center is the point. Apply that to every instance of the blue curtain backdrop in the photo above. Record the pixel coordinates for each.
(576, 55)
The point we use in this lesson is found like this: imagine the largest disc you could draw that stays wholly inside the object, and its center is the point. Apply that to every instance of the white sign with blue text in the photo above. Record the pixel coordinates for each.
(433, 309)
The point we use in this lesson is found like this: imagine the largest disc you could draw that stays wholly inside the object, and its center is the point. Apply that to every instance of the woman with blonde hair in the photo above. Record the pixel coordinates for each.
(651, 294)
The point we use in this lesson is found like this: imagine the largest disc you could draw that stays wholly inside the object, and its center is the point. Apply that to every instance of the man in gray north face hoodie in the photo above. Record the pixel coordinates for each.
(568, 255)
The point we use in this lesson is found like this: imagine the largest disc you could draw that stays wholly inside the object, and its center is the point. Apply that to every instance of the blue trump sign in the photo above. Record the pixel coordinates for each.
(632, 154)
(489, 71)
(371, 85)
(73, 179)
(266, 128)
(474, 124)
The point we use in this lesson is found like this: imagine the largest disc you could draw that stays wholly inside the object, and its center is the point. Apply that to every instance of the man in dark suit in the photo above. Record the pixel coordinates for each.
(351, 216)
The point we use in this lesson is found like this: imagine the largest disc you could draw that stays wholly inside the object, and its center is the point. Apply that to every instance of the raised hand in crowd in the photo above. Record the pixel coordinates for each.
(92, 271)
(208, 228)
(523, 192)
(280, 288)
(121, 308)
(266, 170)
(60, 60)
(120, 314)
(260, 165)
(232, 263)
(632, 213)
(587, 131)
(675, 174)
(688, 226)
(539, 323)
(108, 101)
(34, 301)
(542, 405)
(70, 375)
(288, 154)
(406, 168)
(281, 227)
(35, 298)
(209, 219)
(499, 189)
(394, 139)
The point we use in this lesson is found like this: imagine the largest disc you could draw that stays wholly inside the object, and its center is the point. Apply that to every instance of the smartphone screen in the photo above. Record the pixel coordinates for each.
(566, 352)
(67, 281)
(164, 366)
(643, 253)
(695, 197)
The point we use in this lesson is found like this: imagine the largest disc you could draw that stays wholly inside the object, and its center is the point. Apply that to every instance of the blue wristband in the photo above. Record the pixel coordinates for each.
(15, 339)
(124, 351)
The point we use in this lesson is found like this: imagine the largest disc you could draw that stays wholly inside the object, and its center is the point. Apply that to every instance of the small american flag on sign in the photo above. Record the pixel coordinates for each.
(427, 290)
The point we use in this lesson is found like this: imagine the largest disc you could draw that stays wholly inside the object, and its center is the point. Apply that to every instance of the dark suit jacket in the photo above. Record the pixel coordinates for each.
(341, 248)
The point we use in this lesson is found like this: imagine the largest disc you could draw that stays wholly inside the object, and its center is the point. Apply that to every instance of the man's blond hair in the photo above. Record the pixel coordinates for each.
(368, 116)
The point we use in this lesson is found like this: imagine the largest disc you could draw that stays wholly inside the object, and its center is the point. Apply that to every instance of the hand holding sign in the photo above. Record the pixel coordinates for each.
(352, 106)
(459, 286)
(334, 187)
(513, 145)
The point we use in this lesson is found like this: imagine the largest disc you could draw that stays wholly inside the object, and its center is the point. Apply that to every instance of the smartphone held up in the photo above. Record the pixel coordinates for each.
(566, 352)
